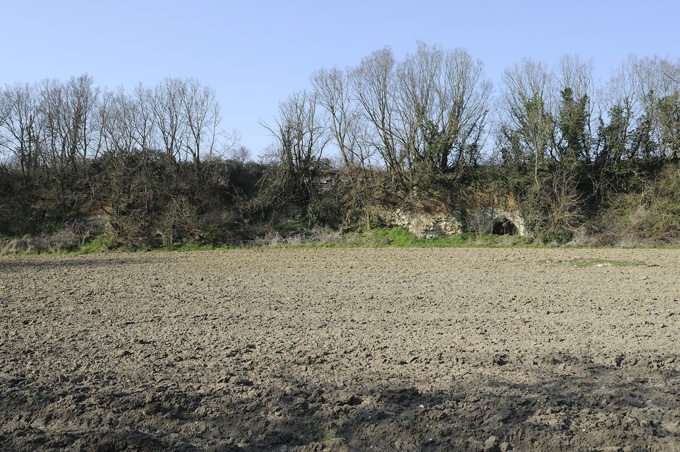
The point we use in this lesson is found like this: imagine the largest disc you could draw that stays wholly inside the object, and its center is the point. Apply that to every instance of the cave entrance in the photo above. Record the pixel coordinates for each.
(504, 227)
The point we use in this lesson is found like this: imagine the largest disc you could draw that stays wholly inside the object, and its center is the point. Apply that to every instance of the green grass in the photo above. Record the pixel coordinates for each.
(183, 247)
(187, 247)
(288, 227)
(401, 238)
(103, 244)
(394, 237)
(99, 244)
(398, 237)
(595, 262)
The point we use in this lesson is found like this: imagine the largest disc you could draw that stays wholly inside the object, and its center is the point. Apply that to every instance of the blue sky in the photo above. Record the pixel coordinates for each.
(257, 53)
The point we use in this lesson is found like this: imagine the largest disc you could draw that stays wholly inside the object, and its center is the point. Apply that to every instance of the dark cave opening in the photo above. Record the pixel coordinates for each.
(504, 227)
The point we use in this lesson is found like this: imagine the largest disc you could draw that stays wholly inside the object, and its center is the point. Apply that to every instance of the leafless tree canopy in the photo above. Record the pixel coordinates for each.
(301, 136)
(388, 127)
(425, 114)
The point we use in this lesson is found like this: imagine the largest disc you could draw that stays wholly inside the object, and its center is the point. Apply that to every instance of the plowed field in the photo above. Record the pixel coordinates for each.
(342, 349)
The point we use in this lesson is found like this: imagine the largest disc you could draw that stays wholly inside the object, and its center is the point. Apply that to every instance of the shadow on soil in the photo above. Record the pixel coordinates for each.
(9, 264)
(582, 406)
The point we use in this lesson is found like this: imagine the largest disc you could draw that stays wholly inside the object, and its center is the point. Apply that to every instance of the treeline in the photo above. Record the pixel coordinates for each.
(559, 142)
(157, 164)
(152, 161)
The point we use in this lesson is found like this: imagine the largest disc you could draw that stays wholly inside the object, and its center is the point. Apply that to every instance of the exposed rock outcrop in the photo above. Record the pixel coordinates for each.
(468, 212)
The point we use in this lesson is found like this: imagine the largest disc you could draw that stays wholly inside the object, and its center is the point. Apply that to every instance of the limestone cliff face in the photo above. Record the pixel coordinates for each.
(425, 225)
(470, 211)
(494, 220)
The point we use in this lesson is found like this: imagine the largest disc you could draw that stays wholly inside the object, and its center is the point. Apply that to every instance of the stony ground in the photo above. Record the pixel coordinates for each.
(353, 349)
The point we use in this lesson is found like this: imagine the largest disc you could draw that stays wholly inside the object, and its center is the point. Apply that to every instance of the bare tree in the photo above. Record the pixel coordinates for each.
(143, 118)
(572, 72)
(645, 92)
(574, 78)
(166, 106)
(68, 109)
(334, 94)
(621, 110)
(21, 128)
(4, 114)
(239, 154)
(52, 105)
(301, 136)
(201, 117)
(526, 110)
(119, 130)
(443, 103)
(374, 83)
(668, 114)
(659, 91)
(82, 98)
(417, 80)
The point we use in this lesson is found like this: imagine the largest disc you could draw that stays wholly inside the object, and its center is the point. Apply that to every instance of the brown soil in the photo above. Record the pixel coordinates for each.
(353, 349)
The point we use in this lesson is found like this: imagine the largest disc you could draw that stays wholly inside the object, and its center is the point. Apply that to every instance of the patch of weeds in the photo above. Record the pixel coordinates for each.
(233, 226)
(594, 262)
(327, 437)
(100, 244)
(401, 238)
(189, 246)
(398, 237)
(288, 227)
(583, 262)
